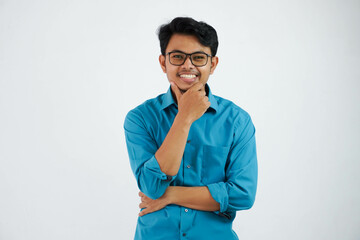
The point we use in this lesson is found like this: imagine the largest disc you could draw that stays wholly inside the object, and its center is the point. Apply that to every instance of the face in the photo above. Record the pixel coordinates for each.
(186, 75)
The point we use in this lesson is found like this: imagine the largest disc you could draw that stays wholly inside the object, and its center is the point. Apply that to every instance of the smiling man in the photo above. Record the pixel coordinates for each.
(193, 154)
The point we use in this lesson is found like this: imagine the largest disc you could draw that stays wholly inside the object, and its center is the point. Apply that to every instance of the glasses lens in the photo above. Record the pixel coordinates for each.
(177, 58)
(199, 59)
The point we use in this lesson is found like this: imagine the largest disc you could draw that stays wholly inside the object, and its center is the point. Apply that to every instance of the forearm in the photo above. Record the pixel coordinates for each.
(170, 153)
(191, 106)
(198, 198)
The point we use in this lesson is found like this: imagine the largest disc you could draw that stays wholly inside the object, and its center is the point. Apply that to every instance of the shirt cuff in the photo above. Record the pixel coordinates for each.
(219, 193)
(152, 166)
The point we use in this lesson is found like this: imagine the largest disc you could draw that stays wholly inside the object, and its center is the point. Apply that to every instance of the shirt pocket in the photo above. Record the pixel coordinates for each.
(213, 164)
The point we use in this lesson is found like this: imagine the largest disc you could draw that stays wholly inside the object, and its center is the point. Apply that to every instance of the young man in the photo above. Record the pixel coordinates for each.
(193, 154)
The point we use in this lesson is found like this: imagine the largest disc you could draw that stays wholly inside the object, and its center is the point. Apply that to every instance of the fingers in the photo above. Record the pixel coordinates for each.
(208, 104)
(149, 205)
(176, 90)
(143, 205)
(143, 212)
(143, 197)
(145, 209)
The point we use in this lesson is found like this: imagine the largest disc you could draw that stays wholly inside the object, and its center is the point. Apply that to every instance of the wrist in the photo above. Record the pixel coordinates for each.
(183, 120)
(169, 195)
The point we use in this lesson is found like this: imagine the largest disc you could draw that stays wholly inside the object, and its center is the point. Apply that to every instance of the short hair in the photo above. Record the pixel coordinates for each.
(205, 33)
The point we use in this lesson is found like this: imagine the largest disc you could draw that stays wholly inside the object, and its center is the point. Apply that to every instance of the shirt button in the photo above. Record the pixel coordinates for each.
(184, 234)
(186, 210)
(188, 166)
(188, 141)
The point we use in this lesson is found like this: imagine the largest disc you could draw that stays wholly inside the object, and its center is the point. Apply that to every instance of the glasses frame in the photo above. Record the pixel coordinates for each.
(189, 55)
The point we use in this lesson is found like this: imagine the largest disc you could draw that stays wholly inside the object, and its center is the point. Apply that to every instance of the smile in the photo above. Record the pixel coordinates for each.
(187, 76)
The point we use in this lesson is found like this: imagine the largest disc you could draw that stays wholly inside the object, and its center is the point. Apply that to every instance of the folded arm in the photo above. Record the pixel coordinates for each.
(198, 198)
(156, 167)
(236, 193)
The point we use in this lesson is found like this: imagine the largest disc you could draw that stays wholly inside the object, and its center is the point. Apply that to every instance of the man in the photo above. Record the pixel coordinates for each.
(193, 154)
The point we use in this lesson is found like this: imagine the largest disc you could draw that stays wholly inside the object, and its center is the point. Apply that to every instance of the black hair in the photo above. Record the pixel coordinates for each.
(205, 33)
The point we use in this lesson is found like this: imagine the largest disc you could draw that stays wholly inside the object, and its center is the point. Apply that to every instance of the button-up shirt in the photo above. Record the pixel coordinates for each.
(220, 154)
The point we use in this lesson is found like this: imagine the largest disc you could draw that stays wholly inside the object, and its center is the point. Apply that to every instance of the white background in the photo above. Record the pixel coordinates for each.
(71, 70)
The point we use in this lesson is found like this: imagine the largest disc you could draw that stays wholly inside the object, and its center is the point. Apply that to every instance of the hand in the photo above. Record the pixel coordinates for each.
(151, 205)
(193, 103)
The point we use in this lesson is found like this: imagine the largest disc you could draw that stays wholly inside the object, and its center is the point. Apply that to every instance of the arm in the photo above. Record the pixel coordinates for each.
(239, 190)
(237, 193)
(153, 167)
(192, 105)
(198, 198)
(193, 197)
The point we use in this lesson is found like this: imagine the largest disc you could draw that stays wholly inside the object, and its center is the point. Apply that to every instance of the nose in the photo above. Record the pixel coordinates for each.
(188, 64)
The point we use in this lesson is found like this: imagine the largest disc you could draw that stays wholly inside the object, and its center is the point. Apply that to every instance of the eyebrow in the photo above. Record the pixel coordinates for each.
(176, 50)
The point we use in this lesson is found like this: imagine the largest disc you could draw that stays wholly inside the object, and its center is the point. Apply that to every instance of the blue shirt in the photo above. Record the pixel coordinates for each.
(220, 153)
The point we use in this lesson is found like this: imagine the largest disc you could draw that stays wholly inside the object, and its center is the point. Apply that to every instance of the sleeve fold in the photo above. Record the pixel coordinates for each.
(239, 190)
(141, 149)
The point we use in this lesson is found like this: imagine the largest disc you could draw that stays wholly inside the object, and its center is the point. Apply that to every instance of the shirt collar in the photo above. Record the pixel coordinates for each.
(168, 99)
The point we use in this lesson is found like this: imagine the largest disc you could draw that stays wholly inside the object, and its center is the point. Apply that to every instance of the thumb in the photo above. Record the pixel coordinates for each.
(176, 90)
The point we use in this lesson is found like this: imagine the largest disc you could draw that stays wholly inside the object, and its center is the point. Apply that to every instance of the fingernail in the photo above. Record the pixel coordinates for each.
(171, 83)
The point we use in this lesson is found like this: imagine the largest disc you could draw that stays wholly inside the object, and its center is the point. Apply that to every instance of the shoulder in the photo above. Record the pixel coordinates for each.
(144, 110)
(231, 109)
(239, 118)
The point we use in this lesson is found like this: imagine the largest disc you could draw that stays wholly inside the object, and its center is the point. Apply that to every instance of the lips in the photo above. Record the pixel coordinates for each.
(188, 77)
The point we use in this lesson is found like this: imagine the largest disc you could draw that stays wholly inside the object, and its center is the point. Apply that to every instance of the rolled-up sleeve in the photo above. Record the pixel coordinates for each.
(239, 190)
(141, 149)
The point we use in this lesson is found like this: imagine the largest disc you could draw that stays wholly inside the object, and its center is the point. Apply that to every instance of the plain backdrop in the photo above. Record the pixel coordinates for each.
(71, 70)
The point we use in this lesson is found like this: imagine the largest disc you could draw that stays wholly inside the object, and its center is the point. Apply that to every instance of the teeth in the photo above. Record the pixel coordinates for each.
(187, 76)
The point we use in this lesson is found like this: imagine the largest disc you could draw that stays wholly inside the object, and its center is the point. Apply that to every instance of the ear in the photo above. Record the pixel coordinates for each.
(162, 63)
(214, 63)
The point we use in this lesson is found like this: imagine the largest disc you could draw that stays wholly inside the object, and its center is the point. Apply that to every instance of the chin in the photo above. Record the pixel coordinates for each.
(185, 88)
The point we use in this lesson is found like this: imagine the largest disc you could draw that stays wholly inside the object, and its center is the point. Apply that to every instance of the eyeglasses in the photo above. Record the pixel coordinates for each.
(198, 59)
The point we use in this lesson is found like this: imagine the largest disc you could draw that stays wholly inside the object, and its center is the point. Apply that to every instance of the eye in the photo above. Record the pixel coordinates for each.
(199, 57)
(177, 56)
